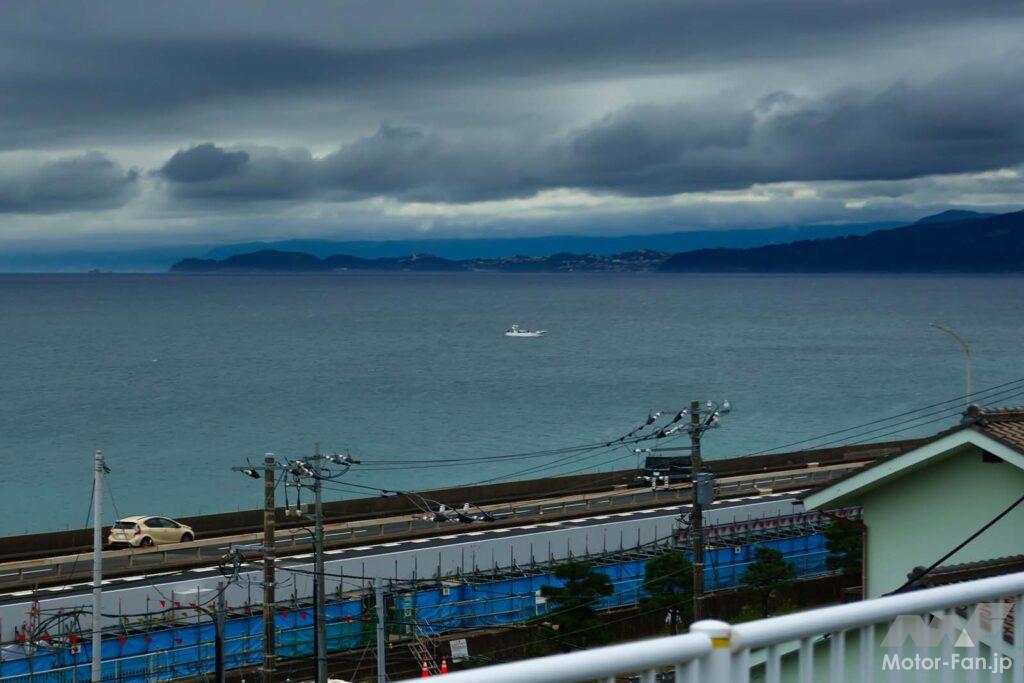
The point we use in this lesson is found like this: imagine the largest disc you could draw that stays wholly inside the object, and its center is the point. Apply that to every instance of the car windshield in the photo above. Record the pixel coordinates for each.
(124, 525)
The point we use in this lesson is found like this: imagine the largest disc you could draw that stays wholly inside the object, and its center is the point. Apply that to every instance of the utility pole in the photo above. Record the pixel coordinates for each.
(318, 564)
(221, 608)
(97, 568)
(703, 490)
(382, 669)
(313, 468)
(696, 512)
(269, 611)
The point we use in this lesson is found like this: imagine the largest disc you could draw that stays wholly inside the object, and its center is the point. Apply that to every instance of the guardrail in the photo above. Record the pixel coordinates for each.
(184, 555)
(717, 652)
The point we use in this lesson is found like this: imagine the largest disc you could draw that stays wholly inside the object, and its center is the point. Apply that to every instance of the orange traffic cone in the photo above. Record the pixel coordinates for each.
(425, 673)
(444, 666)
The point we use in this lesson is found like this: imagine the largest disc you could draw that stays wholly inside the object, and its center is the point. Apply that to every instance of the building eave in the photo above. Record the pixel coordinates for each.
(852, 488)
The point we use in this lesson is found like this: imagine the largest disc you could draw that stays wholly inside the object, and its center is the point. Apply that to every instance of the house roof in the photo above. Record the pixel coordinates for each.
(1003, 424)
(999, 431)
(969, 571)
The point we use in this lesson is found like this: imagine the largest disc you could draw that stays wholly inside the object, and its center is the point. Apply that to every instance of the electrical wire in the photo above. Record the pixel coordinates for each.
(882, 427)
(629, 437)
(917, 576)
(961, 398)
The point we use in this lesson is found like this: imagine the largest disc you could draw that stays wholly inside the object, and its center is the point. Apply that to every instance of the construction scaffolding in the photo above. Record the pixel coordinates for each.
(177, 640)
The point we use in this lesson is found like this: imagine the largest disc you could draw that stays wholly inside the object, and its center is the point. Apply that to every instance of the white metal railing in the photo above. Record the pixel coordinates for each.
(784, 648)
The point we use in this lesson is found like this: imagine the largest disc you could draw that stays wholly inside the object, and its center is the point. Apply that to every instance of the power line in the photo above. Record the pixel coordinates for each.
(887, 419)
(918, 575)
(632, 436)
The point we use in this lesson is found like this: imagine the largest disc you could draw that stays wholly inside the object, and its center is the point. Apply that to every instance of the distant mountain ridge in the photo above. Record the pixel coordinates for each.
(276, 261)
(954, 241)
(989, 244)
(953, 215)
(463, 249)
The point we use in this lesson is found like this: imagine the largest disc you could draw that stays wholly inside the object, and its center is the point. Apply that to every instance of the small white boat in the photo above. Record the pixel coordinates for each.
(516, 331)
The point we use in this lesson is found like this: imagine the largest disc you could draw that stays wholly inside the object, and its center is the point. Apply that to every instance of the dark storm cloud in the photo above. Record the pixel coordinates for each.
(203, 162)
(312, 102)
(945, 126)
(412, 165)
(968, 120)
(82, 183)
(396, 162)
(74, 70)
(210, 172)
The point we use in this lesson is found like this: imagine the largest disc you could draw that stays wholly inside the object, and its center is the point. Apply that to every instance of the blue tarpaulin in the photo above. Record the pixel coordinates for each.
(171, 651)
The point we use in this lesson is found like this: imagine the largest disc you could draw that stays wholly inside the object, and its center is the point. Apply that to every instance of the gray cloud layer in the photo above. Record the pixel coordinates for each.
(948, 125)
(87, 182)
(311, 103)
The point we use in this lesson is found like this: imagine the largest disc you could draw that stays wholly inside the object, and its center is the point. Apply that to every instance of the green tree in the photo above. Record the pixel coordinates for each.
(844, 542)
(765, 575)
(571, 621)
(668, 585)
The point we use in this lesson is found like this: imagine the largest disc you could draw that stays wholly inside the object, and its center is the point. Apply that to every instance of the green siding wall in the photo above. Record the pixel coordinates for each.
(917, 518)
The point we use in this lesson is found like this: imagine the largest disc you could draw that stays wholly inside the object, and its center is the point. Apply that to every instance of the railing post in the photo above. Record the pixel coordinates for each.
(715, 667)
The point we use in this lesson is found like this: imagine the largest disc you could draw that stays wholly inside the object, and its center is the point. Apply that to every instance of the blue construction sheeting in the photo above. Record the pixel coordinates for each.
(470, 606)
(177, 651)
(174, 652)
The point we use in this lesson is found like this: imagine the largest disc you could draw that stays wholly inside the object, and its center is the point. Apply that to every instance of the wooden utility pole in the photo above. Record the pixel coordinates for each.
(269, 611)
(319, 608)
(219, 617)
(696, 512)
(378, 596)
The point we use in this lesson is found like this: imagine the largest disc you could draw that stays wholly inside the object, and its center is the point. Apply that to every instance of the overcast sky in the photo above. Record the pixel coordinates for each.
(131, 123)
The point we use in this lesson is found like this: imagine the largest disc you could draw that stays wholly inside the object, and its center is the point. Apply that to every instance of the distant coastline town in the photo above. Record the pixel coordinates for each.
(948, 242)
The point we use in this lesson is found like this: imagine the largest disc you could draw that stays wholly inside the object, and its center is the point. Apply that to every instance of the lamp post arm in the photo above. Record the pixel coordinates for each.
(967, 352)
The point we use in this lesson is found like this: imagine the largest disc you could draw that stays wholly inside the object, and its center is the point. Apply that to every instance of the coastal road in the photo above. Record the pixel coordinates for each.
(619, 529)
(63, 569)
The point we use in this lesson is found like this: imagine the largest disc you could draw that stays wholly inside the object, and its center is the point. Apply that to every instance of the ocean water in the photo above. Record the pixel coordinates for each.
(178, 378)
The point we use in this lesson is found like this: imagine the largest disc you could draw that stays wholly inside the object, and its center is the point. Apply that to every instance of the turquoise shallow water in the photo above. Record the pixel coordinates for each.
(177, 378)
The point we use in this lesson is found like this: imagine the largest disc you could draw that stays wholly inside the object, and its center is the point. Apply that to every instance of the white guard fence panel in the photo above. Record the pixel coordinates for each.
(970, 631)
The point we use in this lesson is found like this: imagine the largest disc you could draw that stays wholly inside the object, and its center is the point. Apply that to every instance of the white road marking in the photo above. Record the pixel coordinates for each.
(30, 571)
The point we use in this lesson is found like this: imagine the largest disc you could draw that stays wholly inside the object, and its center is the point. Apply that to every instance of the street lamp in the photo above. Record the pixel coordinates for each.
(967, 352)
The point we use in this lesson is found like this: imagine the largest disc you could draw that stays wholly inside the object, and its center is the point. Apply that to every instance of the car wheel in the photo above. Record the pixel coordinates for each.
(187, 537)
(146, 542)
